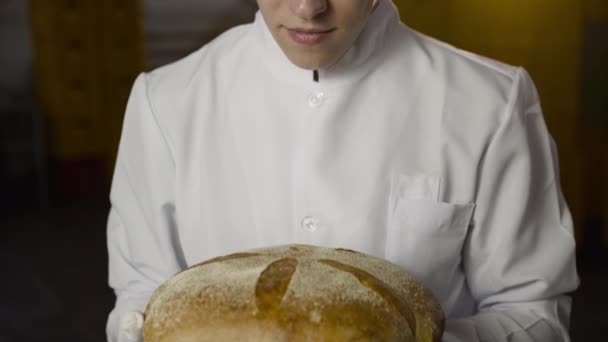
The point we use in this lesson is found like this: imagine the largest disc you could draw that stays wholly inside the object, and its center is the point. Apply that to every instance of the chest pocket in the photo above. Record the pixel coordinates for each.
(425, 236)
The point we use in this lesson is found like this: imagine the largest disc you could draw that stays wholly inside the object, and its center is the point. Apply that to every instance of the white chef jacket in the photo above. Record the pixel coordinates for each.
(408, 149)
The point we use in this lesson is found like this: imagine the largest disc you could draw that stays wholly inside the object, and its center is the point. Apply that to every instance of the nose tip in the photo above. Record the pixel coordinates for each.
(308, 9)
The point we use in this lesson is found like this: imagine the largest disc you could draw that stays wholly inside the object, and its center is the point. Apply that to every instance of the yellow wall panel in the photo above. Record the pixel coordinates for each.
(429, 16)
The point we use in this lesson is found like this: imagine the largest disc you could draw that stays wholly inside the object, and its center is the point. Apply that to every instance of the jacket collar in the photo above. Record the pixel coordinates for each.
(357, 62)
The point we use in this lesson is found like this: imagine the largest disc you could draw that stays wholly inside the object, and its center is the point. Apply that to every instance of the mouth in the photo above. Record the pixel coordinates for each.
(309, 37)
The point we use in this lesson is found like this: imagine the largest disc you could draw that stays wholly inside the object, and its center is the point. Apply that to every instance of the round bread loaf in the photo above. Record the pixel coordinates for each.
(293, 293)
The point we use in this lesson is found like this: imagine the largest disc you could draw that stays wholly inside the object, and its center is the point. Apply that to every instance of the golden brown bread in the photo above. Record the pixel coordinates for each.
(293, 293)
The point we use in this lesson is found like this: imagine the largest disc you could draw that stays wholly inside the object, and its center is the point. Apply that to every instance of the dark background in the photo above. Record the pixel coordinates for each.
(66, 67)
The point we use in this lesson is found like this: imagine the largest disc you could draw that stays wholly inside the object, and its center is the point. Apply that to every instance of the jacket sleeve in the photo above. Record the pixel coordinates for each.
(143, 247)
(519, 256)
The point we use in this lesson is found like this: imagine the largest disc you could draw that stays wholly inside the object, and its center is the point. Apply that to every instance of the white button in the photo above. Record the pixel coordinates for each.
(316, 100)
(310, 224)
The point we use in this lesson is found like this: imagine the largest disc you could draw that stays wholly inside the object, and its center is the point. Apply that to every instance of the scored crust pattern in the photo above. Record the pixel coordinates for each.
(381, 288)
(296, 288)
(273, 283)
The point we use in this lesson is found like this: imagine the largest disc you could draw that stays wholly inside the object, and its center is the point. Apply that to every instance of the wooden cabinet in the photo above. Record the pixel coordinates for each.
(86, 55)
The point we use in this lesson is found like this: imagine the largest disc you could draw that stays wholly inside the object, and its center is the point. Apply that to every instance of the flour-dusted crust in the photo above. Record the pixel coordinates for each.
(293, 293)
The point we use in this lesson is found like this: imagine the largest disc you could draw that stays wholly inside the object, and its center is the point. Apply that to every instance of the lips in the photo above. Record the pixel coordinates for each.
(309, 36)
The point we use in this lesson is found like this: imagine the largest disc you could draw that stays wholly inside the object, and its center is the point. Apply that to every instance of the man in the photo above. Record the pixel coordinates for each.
(327, 122)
